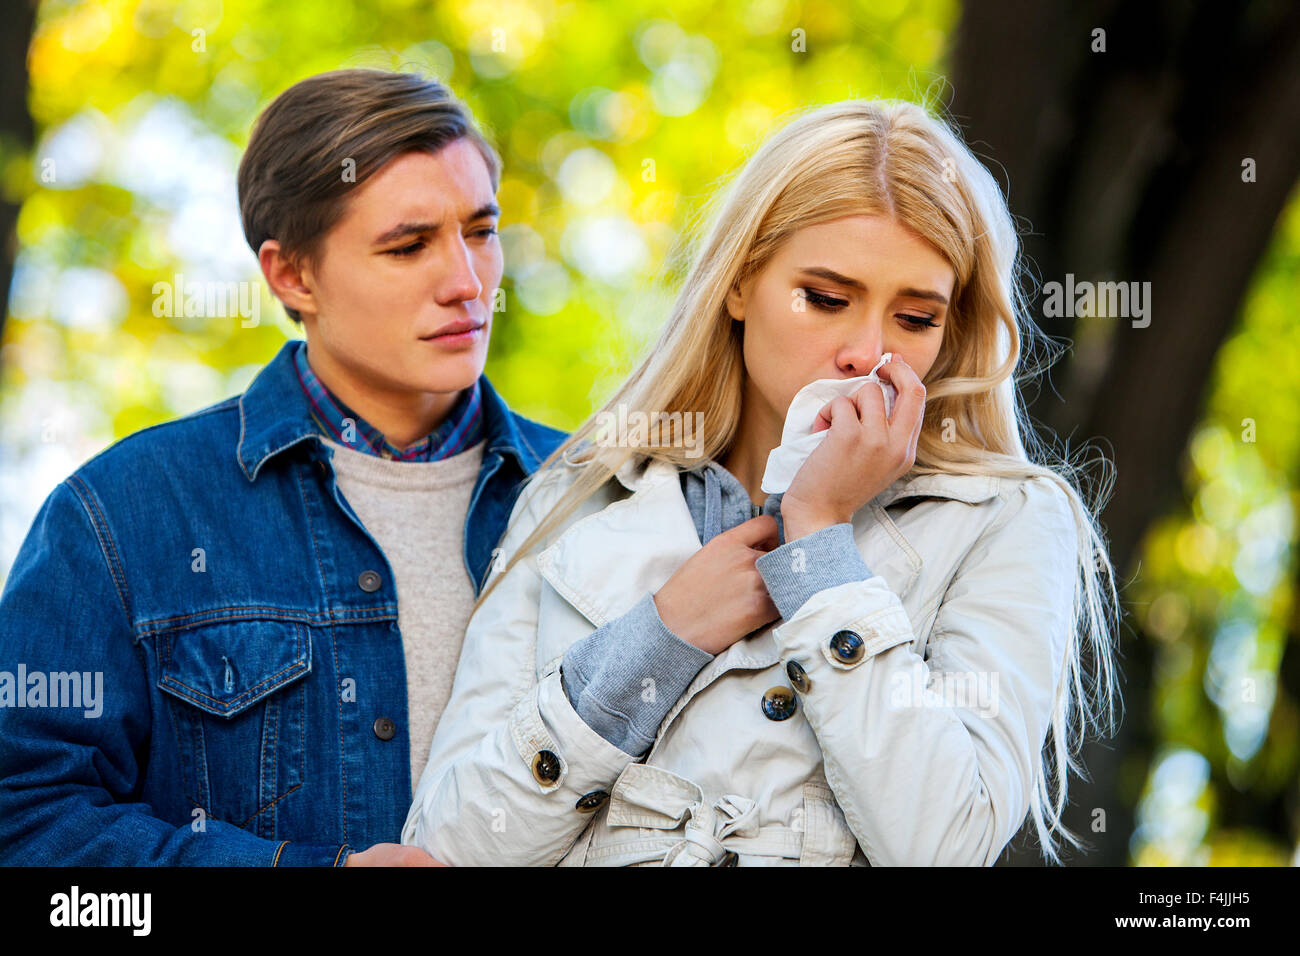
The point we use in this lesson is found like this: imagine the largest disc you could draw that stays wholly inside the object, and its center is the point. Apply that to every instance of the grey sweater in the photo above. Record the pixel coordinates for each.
(605, 673)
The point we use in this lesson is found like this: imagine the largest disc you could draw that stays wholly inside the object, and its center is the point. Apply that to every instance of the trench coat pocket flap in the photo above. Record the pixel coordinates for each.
(645, 796)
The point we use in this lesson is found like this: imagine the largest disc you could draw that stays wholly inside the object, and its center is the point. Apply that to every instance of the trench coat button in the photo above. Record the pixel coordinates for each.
(590, 802)
(546, 767)
(385, 728)
(369, 581)
(779, 703)
(798, 677)
(848, 646)
(728, 859)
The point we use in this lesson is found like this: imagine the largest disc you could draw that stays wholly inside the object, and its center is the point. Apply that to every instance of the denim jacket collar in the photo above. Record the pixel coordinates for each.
(274, 416)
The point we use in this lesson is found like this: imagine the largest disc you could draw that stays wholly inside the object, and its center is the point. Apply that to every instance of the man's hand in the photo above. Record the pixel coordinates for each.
(391, 854)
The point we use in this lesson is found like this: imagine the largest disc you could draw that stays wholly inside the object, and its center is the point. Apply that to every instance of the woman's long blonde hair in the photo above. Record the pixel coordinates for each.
(879, 157)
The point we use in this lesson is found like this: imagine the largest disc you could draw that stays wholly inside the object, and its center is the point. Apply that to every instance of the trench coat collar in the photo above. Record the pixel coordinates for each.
(636, 474)
(605, 564)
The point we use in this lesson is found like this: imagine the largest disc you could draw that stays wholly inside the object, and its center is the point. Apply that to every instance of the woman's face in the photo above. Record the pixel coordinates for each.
(836, 297)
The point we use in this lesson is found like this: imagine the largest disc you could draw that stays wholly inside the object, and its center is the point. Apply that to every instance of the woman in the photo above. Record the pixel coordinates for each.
(670, 667)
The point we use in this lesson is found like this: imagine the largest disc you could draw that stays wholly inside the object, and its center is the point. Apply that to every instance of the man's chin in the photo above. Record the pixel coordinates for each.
(448, 372)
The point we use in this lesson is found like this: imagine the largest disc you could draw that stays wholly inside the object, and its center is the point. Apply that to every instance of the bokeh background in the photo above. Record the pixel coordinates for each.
(1138, 142)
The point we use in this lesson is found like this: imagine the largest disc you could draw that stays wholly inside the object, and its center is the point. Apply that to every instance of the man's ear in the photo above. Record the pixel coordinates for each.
(285, 278)
(736, 302)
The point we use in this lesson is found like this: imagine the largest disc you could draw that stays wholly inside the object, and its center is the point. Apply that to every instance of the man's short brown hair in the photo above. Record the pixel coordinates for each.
(327, 134)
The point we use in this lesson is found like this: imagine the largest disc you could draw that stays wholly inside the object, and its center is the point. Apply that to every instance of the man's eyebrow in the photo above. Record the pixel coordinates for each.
(830, 274)
(412, 228)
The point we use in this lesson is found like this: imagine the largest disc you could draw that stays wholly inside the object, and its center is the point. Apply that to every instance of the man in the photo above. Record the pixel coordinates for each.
(273, 590)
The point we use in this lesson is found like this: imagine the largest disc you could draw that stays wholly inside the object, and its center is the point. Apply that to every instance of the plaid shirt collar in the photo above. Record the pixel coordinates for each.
(461, 429)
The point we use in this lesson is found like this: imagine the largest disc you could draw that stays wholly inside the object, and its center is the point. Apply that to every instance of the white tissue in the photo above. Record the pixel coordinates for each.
(797, 438)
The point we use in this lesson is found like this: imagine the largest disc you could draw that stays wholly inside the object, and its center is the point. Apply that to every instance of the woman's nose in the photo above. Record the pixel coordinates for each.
(859, 359)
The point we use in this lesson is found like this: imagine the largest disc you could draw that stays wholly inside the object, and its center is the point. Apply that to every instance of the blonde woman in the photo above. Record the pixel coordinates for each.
(881, 666)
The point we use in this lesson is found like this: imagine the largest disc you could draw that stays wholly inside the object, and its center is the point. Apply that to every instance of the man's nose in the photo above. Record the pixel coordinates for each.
(458, 282)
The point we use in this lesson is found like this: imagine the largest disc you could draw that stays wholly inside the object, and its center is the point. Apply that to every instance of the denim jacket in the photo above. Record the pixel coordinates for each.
(240, 624)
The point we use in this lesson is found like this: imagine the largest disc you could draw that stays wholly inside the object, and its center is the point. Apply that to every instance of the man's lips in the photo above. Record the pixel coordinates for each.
(454, 328)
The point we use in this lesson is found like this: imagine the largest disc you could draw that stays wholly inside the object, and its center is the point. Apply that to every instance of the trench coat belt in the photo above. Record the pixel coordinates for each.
(654, 798)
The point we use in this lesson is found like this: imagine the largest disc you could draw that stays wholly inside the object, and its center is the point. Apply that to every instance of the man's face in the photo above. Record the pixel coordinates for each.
(415, 252)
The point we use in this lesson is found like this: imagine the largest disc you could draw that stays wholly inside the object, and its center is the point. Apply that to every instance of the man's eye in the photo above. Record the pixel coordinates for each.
(407, 250)
(486, 231)
(824, 302)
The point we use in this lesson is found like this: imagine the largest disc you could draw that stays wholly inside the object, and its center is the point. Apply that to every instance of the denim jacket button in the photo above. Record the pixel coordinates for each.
(847, 646)
(546, 767)
(369, 581)
(779, 704)
(385, 728)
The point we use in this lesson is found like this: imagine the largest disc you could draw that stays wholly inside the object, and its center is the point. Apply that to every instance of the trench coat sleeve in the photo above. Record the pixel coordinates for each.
(479, 802)
(935, 762)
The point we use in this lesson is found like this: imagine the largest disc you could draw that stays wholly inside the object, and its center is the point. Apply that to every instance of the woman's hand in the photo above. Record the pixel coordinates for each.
(717, 596)
(861, 456)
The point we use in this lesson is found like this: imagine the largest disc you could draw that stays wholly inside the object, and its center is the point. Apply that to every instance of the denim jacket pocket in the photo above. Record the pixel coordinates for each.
(237, 699)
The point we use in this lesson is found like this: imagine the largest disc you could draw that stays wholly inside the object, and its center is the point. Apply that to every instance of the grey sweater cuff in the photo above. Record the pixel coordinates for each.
(624, 677)
(798, 569)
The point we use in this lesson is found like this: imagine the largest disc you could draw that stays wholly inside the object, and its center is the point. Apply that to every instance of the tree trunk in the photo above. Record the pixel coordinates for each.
(1127, 165)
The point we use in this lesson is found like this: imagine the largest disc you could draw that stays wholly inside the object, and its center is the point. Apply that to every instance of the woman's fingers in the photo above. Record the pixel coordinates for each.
(761, 533)
(909, 405)
(838, 409)
(909, 402)
(869, 401)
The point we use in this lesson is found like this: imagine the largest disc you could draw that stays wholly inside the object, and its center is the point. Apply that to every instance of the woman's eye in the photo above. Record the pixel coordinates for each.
(919, 322)
(824, 302)
(407, 250)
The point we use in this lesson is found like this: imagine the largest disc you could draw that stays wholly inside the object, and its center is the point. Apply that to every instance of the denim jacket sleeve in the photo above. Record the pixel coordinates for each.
(69, 780)
(511, 757)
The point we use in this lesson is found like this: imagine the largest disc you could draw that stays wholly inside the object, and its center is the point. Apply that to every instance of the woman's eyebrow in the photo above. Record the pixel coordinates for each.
(412, 228)
(924, 294)
(823, 273)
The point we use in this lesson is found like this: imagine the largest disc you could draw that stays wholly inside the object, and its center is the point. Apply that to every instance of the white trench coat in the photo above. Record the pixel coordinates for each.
(922, 748)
